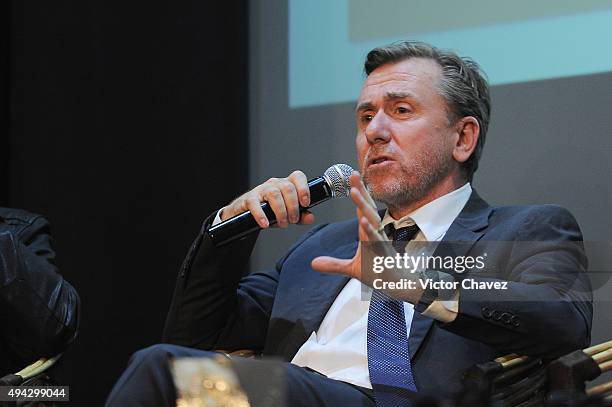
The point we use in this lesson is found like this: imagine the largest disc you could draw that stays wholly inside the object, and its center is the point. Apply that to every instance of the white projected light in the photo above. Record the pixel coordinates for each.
(328, 41)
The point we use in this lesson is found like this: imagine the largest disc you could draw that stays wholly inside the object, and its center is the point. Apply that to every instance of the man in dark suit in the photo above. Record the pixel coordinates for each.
(422, 118)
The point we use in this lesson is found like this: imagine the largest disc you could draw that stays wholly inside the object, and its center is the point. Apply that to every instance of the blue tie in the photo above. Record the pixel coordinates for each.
(388, 349)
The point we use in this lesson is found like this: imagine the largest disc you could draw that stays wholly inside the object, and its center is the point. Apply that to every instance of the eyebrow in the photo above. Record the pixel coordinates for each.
(364, 106)
(389, 96)
(398, 95)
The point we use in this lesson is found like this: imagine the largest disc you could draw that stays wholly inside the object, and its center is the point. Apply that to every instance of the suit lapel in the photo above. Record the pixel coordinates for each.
(324, 289)
(303, 297)
(465, 230)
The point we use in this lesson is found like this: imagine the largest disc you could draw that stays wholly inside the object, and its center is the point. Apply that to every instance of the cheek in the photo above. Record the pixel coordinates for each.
(447, 142)
(361, 146)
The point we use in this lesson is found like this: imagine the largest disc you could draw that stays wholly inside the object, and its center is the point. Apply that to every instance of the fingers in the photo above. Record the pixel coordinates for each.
(357, 183)
(370, 232)
(298, 178)
(365, 209)
(295, 192)
(284, 196)
(253, 205)
(307, 218)
(274, 196)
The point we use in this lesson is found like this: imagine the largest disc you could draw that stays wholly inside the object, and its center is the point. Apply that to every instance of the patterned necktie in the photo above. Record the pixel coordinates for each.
(387, 340)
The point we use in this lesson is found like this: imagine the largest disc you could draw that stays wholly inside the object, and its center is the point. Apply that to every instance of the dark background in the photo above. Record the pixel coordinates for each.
(127, 126)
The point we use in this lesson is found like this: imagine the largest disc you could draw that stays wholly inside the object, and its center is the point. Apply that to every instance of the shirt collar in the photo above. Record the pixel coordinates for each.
(435, 217)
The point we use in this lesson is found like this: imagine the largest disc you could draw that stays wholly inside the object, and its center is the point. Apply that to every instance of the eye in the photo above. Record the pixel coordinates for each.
(402, 109)
(366, 117)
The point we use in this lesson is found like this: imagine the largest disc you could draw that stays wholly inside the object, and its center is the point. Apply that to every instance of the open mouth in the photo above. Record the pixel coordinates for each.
(379, 160)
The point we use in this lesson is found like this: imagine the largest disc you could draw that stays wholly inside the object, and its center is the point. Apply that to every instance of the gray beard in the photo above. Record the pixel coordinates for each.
(412, 183)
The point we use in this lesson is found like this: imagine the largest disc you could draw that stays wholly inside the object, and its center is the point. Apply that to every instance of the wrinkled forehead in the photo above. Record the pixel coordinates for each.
(416, 75)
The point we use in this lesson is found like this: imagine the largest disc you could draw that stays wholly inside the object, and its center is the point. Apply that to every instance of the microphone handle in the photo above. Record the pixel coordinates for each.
(244, 224)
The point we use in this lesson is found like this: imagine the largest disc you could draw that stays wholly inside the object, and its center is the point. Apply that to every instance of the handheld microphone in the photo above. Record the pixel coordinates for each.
(333, 183)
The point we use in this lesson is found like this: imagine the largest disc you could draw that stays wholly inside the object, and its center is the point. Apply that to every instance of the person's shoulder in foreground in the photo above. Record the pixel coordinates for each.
(40, 310)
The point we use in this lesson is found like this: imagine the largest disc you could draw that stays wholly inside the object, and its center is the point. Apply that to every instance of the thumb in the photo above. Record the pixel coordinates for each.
(326, 264)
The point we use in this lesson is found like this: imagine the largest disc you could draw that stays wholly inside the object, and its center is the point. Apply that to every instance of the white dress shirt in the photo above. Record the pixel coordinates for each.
(338, 349)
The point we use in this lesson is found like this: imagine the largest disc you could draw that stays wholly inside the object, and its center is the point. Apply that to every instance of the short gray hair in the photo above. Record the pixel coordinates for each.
(463, 85)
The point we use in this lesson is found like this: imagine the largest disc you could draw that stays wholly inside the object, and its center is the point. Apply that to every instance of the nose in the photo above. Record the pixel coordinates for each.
(378, 130)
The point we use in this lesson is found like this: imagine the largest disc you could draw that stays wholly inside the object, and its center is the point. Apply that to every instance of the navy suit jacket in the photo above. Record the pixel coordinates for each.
(546, 309)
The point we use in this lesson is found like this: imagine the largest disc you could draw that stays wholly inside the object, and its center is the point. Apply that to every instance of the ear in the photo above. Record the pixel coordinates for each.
(468, 131)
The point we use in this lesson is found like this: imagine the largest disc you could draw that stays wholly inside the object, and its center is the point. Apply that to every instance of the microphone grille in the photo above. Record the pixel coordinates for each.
(337, 176)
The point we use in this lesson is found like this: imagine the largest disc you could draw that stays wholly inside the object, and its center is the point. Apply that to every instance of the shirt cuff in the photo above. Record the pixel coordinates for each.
(217, 217)
(444, 311)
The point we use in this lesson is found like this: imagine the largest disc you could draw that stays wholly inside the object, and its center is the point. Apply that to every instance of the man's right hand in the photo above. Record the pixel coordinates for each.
(285, 195)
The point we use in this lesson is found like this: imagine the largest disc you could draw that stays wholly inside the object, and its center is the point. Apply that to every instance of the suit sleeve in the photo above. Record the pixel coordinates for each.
(546, 308)
(40, 310)
(217, 304)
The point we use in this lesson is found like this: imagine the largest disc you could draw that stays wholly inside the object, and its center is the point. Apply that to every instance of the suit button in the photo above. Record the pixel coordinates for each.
(505, 317)
(515, 320)
(486, 312)
(497, 315)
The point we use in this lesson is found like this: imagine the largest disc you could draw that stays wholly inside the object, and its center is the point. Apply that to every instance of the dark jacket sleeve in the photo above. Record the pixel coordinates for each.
(217, 304)
(213, 307)
(546, 309)
(39, 309)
